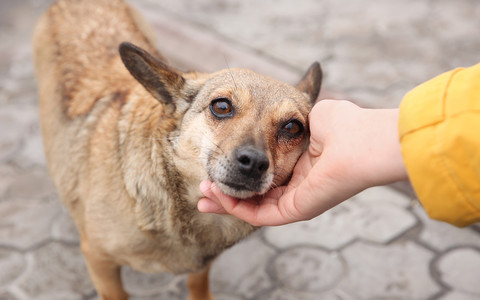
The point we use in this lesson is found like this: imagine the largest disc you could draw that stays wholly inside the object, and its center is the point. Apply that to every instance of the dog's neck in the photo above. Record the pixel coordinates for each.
(156, 175)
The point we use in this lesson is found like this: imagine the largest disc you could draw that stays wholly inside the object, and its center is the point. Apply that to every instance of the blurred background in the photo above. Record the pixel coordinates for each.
(380, 245)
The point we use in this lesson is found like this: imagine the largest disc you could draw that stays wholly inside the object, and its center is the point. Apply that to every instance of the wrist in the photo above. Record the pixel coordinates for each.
(385, 151)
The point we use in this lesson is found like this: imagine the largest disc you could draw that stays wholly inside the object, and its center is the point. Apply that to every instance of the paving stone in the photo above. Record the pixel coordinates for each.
(31, 184)
(7, 174)
(19, 119)
(31, 154)
(57, 271)
(451, 32)
(458, 296)
(21, 66)
(460, 269)
(241, 270)
(382, 223)
(377, 17)
(57, 295)
(206, 50)
(285, 294)
(399, 271)
(19, 80)
(142, 284)
(442, 236)
(12, 265)
(6, 295)
(369, 218)
(175, 289)
(63, 228)
(476, 227)
(166, 295)
(10, 142)
(26, 223)
(384, 35)
(227, 297)
(333, 229)
(296, 22)
(382, 195)
(308, 269)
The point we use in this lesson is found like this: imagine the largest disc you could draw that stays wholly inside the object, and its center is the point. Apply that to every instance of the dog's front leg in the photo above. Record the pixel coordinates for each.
(198, 285)
(105, 274)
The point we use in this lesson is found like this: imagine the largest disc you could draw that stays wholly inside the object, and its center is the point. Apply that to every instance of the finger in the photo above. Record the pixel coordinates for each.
(206, 205)
(205, 188)
(210, 203)
(261, 212)
(215, 194)
(323, 188)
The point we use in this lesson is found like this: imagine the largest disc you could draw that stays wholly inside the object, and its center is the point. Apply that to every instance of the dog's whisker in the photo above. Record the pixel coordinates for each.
(217, 147)
(231, 74)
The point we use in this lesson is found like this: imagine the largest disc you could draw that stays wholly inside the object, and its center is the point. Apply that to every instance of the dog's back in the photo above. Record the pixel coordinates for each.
(78, 42)
(79, 73)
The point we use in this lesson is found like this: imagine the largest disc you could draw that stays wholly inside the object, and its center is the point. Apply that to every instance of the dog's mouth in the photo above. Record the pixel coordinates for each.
(238, 187)
(238, 190)
(243, 188)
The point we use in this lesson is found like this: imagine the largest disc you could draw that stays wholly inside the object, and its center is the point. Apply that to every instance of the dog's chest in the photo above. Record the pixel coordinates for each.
(191, 248)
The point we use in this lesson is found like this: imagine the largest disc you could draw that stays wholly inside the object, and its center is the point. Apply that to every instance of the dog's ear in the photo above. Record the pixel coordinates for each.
(311, 82)
(162, 81)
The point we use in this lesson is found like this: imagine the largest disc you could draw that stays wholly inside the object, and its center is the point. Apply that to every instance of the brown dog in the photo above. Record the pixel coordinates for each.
(128, 139)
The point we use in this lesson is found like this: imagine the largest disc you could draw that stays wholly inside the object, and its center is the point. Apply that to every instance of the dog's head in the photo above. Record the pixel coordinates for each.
(245, 131)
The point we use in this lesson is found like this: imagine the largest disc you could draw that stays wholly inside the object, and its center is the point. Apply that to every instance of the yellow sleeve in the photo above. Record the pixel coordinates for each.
(439, 129)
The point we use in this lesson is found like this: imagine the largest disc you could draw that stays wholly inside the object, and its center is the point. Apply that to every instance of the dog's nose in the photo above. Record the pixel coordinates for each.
(252, 162)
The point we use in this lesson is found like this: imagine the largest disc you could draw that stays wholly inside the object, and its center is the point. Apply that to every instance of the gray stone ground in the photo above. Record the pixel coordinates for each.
(379, 245)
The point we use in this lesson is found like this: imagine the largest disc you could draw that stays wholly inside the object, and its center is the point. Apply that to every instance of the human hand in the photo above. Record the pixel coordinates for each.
(350, 150)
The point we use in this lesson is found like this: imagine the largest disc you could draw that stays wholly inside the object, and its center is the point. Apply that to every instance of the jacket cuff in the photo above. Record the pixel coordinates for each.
(431, 149)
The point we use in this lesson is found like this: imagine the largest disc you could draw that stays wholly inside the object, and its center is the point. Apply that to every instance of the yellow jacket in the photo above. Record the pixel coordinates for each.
(439, 129)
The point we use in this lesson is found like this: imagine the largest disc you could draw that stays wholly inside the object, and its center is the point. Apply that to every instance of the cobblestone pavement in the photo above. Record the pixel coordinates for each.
(379, 245)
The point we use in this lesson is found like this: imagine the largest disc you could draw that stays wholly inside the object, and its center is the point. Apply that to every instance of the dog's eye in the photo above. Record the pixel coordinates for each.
(293, 128)
(221, 108)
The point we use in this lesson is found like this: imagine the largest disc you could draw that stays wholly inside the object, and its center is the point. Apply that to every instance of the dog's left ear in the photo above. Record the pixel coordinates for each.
(311, 82)
(162, 81)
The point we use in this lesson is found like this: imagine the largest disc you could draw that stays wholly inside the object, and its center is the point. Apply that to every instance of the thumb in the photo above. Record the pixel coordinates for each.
(328, 183)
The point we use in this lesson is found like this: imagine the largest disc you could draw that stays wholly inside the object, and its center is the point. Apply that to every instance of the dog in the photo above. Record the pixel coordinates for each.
(129, 138)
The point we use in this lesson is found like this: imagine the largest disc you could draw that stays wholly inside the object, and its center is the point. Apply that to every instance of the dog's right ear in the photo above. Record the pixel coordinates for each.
(162, 81)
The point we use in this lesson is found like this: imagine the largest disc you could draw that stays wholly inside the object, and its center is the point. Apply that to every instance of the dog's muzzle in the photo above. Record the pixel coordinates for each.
(244, 173)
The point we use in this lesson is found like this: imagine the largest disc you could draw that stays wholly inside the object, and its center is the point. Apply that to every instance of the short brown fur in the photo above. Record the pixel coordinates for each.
(128, 139)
